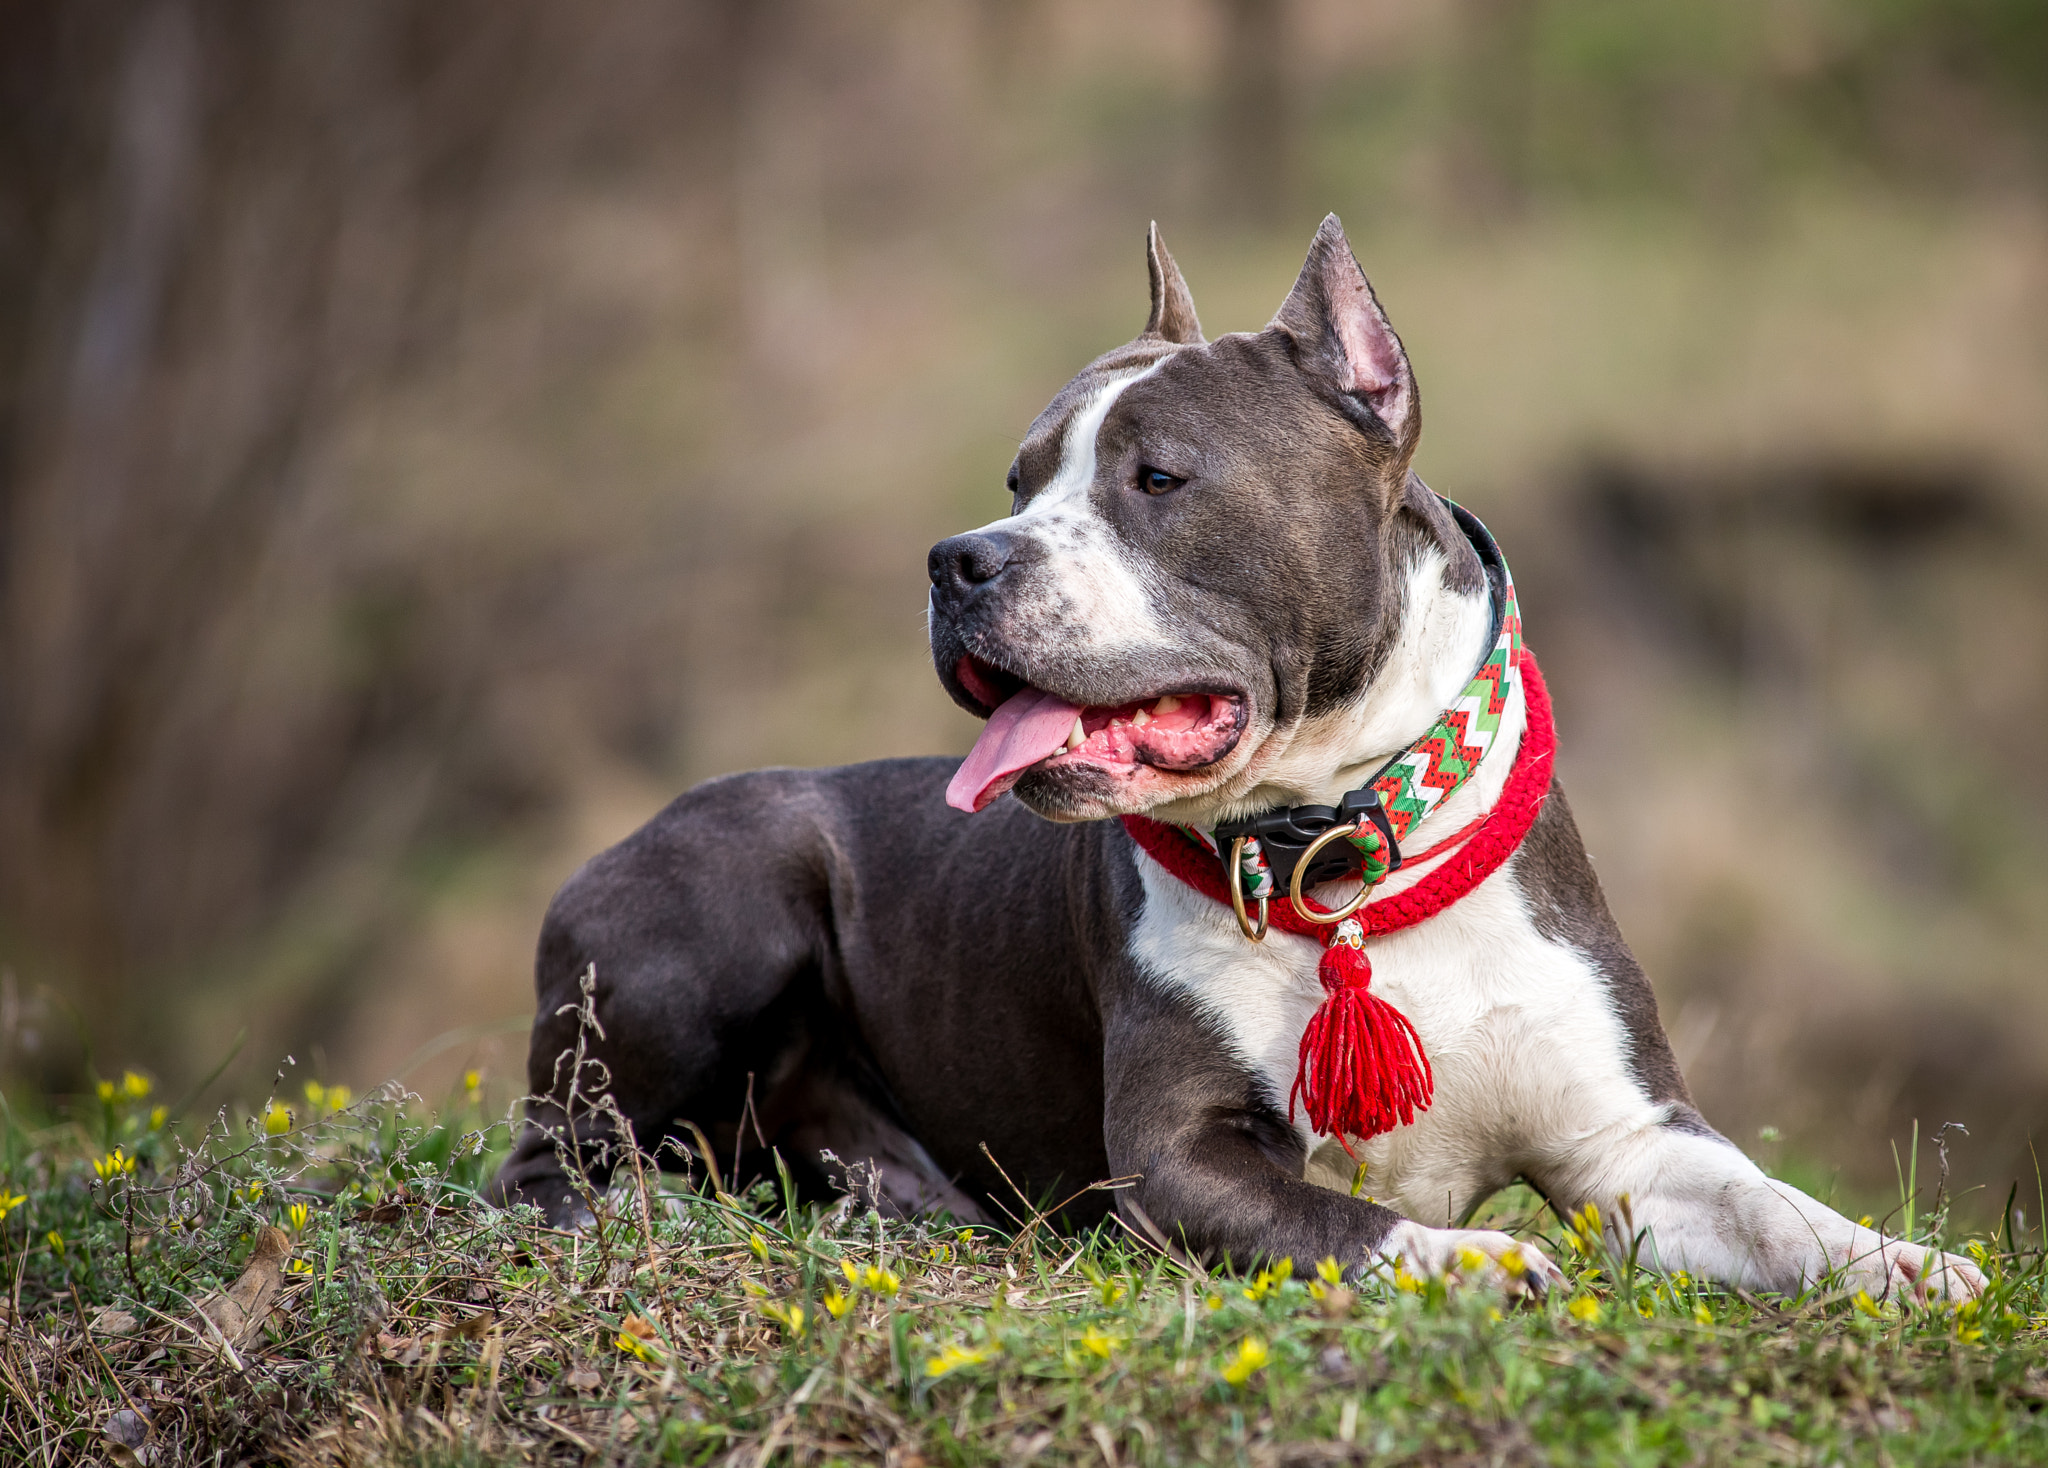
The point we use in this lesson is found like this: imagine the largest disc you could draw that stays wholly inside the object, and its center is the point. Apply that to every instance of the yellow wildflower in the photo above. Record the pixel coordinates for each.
(338, 1097)
(1586, 1223)
(115, 1164)
(297, 1266)
(637, 1337)
(1266, 1281)
(1703, 1315)
(1330, 1271)
(1406, 1282)
(873, 1278)
(1470, 1259)
(1585, 1308)
(1514, 1261)
(1867, 1306)
(56, 1241)
(472, 1082)
(1100, 1342)
(296, 1216)
(158, 1115)
(277, 1119)
(106, 1090)
(952, 1358)
(134, 1086)
(1212, 1302)
(790, 1316)
(758, 1245)
(1250, 1359)
(10, 1201)
(837, 1304)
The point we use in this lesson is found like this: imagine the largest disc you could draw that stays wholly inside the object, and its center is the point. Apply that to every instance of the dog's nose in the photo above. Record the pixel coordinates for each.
(967, 562)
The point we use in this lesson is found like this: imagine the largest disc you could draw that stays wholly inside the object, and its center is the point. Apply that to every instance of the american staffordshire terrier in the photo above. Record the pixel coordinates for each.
(1222, 603)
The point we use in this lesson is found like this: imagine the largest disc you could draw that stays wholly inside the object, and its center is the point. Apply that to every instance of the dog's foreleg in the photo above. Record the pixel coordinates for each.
(1216, 1164)
(1701, 1206)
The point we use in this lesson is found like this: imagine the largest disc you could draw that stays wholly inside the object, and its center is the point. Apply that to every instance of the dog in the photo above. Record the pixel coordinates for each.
(1222, 600)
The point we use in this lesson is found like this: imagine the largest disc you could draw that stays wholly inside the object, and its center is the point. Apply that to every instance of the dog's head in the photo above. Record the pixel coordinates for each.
(1201, 557)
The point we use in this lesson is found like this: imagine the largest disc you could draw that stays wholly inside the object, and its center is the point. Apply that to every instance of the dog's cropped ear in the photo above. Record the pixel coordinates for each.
(1173, 309)
(1343, 337)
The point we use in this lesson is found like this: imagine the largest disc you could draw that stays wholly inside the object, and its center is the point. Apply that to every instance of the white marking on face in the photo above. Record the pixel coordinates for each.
(1100, 589)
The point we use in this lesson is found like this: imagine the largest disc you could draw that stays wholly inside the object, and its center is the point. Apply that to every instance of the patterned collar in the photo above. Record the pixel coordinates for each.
(1407, 787)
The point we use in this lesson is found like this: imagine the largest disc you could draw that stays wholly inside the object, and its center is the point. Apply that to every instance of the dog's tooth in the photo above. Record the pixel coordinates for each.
(1167, 704)
(1140, 719)
(1077, 737)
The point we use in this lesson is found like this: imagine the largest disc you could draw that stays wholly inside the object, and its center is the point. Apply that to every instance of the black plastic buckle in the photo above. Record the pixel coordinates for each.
(1285, 834)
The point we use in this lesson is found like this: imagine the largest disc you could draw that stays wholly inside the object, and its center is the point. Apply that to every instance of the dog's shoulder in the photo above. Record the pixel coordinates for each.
(1569, 908)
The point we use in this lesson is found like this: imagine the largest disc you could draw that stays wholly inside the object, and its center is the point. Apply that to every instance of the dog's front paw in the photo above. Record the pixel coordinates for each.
(1473, 1256)
(1912, 1274)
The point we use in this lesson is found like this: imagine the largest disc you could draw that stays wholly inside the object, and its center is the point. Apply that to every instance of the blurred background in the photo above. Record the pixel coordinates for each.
(433, 433)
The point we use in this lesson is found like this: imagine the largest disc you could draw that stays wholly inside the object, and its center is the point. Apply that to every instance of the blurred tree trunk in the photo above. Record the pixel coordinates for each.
(225, 237)
(1492, 102)
(1254, 144)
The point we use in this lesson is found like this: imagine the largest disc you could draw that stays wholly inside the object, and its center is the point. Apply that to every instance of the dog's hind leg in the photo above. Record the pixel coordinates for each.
(859, 1148)
(678, 980)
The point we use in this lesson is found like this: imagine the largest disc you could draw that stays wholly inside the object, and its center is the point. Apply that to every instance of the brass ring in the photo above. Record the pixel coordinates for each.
(1244, 924)
(1301, 870)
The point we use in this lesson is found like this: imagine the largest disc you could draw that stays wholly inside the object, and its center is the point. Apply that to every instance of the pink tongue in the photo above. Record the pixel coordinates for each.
(1029, 726)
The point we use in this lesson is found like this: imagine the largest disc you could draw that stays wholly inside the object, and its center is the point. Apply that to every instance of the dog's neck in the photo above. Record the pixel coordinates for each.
(1439, 636)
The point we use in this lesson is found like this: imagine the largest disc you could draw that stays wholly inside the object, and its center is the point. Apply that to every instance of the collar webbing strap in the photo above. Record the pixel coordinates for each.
(1475, 858)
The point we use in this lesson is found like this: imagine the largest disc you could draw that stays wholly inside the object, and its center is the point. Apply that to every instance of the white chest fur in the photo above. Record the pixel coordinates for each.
(1528, 1053)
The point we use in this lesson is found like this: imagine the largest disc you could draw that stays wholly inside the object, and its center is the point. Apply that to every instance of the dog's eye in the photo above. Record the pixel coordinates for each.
(1158, 481)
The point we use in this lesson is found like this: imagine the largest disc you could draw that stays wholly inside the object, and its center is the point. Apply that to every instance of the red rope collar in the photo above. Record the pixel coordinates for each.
(1362, 1068)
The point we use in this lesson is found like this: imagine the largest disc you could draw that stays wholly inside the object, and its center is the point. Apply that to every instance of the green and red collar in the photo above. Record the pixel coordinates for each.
(1362, 1067)
(1406, 788)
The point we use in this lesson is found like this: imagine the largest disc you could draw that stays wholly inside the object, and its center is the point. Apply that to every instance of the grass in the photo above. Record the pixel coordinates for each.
(412, 1325)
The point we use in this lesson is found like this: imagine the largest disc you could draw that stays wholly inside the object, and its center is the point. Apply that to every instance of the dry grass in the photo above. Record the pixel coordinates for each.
(410, 1324)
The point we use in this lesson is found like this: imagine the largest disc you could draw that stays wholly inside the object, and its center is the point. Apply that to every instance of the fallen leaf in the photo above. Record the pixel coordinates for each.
(108, 1321)
(583, 1379)
(468, 1329)
(128, 1431)
(129, 1428)
(240, 1313)
(403, 1349)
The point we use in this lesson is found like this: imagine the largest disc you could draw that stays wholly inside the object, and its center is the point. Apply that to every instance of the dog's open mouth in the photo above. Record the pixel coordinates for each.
(1031, 727)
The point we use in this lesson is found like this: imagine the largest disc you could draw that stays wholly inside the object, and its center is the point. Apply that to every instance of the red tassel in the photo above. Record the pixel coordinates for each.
(1362, 1067)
